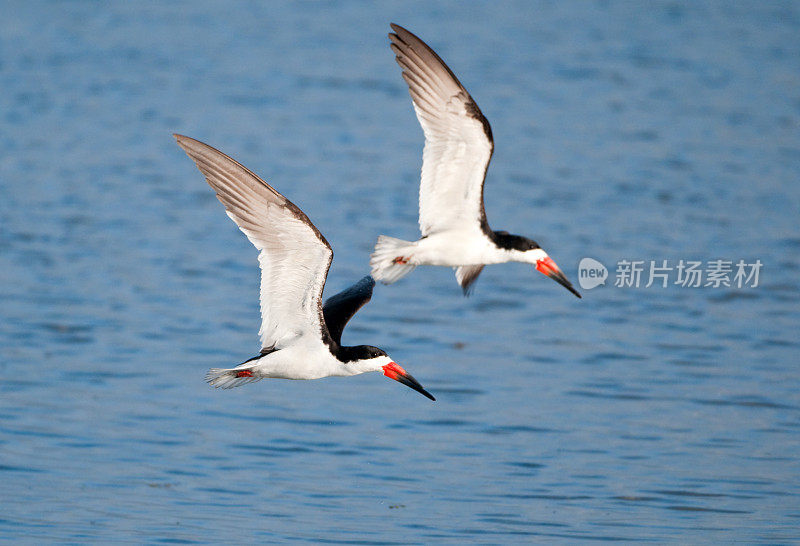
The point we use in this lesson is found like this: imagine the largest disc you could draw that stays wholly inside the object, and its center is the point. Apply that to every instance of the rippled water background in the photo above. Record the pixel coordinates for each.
(623, 131)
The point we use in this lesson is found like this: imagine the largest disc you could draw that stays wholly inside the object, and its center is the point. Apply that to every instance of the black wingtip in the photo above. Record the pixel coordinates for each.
(401, 32)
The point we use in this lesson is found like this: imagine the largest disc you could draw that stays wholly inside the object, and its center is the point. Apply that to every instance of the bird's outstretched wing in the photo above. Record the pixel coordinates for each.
(340, 308)
(458, 139)
(293, 255)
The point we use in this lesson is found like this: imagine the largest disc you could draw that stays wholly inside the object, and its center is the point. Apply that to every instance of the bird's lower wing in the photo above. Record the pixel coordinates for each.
(340, 308)
(466, 275)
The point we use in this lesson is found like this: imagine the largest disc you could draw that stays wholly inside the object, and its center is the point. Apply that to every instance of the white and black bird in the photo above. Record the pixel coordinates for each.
(458, 148)
(300, 337)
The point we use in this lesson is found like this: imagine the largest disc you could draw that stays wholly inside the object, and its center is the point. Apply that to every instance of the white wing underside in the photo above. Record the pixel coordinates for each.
(458, 145)
(293, 255)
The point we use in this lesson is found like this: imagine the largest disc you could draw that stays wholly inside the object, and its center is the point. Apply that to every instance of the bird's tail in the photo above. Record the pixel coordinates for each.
(227, 378)
(390, 259)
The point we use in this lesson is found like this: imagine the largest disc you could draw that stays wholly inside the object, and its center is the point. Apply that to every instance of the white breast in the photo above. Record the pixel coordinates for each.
(307, 358)
(458, 247)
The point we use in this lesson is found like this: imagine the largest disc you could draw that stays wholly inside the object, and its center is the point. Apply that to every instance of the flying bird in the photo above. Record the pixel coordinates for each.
(458, 148)
(300, 337)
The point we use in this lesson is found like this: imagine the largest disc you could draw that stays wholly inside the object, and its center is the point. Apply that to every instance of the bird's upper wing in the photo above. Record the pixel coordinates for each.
(340, 308)
(293, 255)
(458, 139)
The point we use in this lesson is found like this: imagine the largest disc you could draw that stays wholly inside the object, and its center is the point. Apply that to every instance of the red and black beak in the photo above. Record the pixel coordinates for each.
(548, 267)
(394, 371)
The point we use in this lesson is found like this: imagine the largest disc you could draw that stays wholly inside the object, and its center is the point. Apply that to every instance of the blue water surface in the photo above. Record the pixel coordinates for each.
(623, 131)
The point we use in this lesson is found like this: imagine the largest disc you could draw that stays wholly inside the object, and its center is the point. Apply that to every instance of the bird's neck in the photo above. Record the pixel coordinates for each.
(355, 360)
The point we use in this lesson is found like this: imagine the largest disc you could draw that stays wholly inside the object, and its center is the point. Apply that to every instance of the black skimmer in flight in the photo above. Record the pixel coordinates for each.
(458, 148)
(300, 338)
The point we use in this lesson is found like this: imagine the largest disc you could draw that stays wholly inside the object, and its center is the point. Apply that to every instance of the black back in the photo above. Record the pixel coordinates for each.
(504, 239)
(340, 308)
